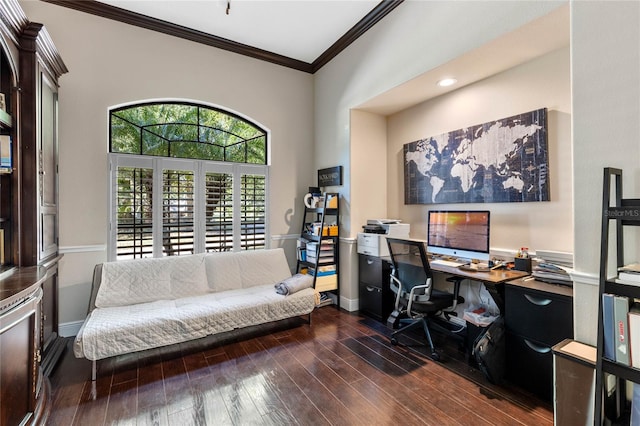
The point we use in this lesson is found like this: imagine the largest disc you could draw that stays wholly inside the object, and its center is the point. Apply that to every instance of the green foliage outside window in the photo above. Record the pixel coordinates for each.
(182, 130)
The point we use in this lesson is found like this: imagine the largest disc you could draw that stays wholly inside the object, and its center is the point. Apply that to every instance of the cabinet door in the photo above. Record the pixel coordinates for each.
(48, 170)
(18, 369)
(49, 309)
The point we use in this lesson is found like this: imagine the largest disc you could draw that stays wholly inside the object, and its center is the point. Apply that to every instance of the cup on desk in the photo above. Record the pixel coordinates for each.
(522, 264)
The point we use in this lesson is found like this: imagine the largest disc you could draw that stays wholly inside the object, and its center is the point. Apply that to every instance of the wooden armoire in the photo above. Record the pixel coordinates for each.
(30, 67)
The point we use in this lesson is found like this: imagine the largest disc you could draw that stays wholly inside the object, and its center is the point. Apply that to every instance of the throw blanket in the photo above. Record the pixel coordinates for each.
(293, 284)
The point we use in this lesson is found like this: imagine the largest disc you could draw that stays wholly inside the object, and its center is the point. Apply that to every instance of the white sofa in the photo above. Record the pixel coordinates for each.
(147, 303)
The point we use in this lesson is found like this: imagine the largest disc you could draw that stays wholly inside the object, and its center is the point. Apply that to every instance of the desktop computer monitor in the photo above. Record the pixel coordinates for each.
(459, 233)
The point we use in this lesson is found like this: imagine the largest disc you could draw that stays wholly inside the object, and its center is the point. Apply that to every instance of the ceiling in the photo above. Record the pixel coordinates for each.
(539, 37)
(306, 34)
(300, 34)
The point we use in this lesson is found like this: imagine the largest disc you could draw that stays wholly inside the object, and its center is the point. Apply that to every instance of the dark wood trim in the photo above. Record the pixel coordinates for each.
(51, 59)
(117, 14)
(28, 167)
(12, 19)
(377, 13)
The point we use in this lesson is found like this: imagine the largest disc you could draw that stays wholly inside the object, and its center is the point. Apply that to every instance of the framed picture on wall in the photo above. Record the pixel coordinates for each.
(501, 161)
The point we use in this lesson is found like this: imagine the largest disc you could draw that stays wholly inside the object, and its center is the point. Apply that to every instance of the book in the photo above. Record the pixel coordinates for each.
(6, 161)
(608, 327)
(621, 328)
(629, 276)
(626, 282)
(634, 335)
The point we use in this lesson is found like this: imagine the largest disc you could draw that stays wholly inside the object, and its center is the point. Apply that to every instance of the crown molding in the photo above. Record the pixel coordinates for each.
(377, 13)
(117, 14)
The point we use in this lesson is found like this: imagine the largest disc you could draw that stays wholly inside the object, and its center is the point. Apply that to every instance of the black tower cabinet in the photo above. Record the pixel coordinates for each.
(374, 294)
(622, 213)
(538, 315)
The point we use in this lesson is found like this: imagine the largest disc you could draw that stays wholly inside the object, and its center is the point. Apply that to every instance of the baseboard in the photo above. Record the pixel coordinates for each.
(349, 304)
(69, 329)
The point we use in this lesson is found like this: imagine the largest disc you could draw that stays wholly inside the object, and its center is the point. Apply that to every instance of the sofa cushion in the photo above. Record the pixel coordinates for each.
(235, 270)
(128, 282)
(223, 271)
(122, 329)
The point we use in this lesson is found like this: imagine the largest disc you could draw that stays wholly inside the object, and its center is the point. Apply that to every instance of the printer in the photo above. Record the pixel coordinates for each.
(373, 241)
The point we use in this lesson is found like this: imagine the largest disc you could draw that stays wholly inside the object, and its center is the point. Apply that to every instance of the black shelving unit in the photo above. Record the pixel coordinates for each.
(622, 212)
(316, 222)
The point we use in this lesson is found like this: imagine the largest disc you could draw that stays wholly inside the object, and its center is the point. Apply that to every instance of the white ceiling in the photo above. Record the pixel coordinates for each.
(539, 37)
(304, 29)
(298, 29)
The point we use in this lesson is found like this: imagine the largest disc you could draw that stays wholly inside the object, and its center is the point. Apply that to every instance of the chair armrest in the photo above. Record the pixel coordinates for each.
(397, 289)
(413, 290)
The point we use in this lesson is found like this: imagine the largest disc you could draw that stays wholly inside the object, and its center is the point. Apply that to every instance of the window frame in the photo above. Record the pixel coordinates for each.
(204, 105)
(200, 168)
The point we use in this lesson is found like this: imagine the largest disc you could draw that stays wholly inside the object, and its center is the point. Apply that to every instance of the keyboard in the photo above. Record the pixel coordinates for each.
(442, 262)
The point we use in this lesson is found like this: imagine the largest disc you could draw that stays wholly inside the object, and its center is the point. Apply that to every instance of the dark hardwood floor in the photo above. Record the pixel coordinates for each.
(340, 370)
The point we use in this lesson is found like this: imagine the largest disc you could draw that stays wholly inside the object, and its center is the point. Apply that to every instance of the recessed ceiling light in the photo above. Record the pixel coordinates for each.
(447, 82)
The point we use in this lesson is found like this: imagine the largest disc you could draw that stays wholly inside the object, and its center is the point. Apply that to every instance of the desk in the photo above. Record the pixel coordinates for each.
(492, 280)
(376, 298)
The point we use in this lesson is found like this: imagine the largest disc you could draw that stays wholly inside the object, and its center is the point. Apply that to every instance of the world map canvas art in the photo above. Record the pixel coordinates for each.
(496, 162)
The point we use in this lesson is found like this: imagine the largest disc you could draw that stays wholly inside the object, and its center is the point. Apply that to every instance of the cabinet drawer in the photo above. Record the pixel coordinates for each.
(540, 316)
(374, 296)
(530, 365)
(370, 270)
(370, 300)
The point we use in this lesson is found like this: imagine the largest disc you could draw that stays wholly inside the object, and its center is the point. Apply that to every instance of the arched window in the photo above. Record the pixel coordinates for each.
(185, 178)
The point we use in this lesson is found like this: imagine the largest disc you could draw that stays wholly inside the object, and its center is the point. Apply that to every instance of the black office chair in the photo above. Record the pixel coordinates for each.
(416, 299)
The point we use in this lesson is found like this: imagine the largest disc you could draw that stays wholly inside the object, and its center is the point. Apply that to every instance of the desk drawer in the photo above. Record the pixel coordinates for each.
(370, 300)
(370, 270)
(540, 316)
(530, 365)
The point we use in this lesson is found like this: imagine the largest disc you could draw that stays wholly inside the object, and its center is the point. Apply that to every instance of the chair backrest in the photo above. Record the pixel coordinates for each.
(410, 263)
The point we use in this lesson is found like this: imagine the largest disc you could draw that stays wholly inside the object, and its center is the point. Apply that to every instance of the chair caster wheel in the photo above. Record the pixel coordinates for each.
(435, 356)
(394, 341)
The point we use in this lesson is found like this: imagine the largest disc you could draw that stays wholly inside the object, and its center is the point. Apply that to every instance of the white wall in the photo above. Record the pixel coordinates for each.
(541, 83)
(112, 63)
(413, 39)
(605, 64)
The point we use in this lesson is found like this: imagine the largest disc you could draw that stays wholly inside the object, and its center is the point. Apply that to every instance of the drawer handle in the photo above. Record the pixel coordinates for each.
(537, 348)
(537, 301)
(369, 262)
(370, 289)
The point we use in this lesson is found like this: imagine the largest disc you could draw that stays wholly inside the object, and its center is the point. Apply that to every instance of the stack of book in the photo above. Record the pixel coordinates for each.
(621, 323)
(322, 254)
(323, 300)
(323, 271)
(551, 273)
(629, 274)
(301, 249)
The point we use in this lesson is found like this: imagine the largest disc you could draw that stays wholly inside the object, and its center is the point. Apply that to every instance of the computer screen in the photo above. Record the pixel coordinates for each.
(460, 233)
